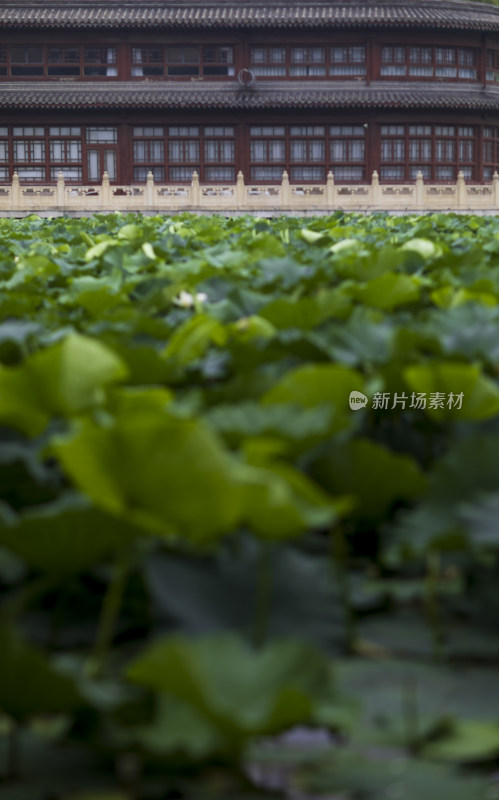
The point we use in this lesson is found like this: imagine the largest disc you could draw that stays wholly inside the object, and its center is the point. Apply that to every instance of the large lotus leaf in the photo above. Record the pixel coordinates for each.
(218, 591)
(284, 272)
(480, 394)
(429, 526)
(452, 515)
(372, 474)
(408, 633)
(382, 687)
(471, 331)
(129, 399)
(67, 535)
(467, 741)
(319, 385)
(179, 728)
(96, 295)
(169, 474)
(389, 774)
(423, 247)
(387, 291)
(131, 232)
(145, 364)
(481, 520)
(306, 313)
(247, 330)
(63, 380)
(281, 502)
(99, 249)
(29, 684)
(366, 338)
(193, 337)
(249, 418)
(459, 297)
(241, 690)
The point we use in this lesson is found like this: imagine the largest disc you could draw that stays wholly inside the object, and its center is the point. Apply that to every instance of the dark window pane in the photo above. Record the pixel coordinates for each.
(26, 55)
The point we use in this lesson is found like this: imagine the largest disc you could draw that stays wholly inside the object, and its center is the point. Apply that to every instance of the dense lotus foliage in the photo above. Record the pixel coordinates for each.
(249, 498)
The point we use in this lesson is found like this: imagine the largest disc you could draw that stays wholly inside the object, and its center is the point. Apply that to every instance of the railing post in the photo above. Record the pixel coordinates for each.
(60, 190)
(240, 191)
(461, 190)
(106, 191)
(195, 194)
(330, 190)
(150, 190)
(15, 197)
(285, 191)
(375, 189)
(419, 190)
(495, 184)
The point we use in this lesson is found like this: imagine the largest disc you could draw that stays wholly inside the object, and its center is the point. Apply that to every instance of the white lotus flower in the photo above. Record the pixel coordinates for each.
(187, 300)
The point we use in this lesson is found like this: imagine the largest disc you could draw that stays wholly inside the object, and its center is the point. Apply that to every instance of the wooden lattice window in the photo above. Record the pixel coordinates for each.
(267, 152)
(148, 61)
(425, 62)
(439, 152)
(268, 62)
(192, 60)
(492, 65)
(149, 152)
(57, 61)
(99, 61)
(63, 61)
(490, 151)
(347, 152)
(65, 153)
(26, 61)
(307, 153)
(219, 153)
(307, 61)
(348, 61)
(4, 154)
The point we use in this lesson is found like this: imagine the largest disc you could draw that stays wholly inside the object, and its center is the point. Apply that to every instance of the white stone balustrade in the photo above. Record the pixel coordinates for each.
(20, 199)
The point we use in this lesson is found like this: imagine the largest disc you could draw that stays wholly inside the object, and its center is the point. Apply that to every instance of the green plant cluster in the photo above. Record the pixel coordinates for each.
(217, 578)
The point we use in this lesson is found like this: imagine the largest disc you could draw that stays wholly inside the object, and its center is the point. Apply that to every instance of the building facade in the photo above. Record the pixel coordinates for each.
(221, 87)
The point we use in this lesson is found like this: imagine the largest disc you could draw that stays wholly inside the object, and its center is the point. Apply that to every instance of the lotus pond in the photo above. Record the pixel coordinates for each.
(249, 508)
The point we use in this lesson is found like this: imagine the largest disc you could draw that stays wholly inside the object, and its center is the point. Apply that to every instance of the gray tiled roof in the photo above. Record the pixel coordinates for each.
(255, 14)
(158, 96)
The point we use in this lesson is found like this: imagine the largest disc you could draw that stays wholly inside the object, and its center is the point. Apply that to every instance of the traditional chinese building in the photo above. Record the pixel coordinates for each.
(222, 86)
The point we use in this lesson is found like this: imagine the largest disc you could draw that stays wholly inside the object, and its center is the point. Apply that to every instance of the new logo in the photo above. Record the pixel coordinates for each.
(357, 400)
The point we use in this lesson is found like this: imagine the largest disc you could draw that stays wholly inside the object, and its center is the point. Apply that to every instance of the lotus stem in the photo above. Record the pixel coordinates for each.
(110, 610)
(263, 595)
(432, 604)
